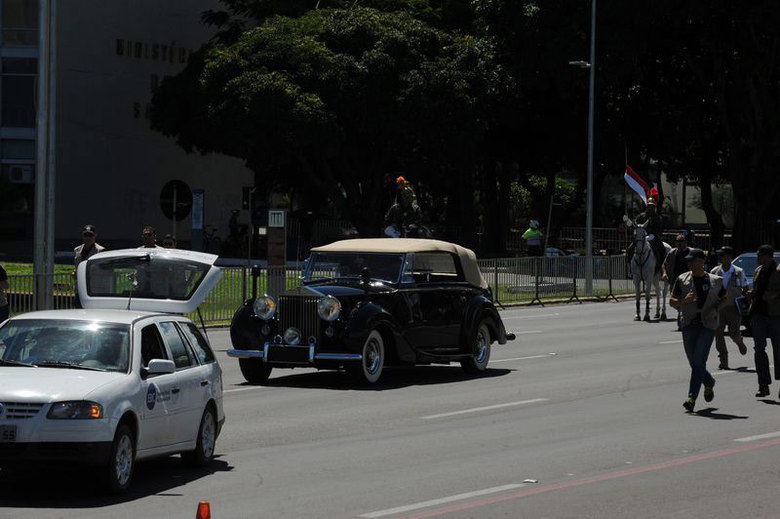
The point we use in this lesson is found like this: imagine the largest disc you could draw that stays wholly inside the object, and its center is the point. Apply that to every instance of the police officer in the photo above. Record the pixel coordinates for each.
(765, 316)
(533, 238)
(86, 250)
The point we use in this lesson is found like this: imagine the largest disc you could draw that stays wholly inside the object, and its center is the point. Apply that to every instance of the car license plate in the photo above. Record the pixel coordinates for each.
(7, 433)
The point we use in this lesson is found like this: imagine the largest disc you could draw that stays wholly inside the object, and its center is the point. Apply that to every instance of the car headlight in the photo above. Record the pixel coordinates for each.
(76, 410)
(264, 307)
(329, 308)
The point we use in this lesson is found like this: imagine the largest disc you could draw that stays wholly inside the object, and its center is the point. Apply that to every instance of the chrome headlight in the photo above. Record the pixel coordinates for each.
(76, 410)
(292, 336)
(329, 308)
(264, 307)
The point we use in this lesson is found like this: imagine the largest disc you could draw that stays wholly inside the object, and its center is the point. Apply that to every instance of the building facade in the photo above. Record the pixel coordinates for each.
(111, 169)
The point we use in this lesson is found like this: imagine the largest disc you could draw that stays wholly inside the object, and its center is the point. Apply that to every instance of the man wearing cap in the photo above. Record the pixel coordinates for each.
(86, 250)
(734, 282)
(698, 295)
(765, 316)
(676, 264)
(149, 238)
(534, 239)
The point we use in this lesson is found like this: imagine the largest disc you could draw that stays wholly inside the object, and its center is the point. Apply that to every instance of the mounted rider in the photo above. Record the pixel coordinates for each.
(404, 218)
(652, 221)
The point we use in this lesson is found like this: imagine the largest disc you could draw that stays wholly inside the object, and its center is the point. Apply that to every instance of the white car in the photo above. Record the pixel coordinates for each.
(125, 379)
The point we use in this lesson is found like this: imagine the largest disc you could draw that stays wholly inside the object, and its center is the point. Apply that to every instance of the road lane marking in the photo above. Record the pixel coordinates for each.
(509, 318)
(543, 356)
(486, 408)
(442, 501)
(758, 437)
(617, 474)
(677, 341)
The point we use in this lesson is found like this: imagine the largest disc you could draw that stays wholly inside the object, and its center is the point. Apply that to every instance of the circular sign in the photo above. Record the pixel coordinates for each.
(176, 200)
(151, 396)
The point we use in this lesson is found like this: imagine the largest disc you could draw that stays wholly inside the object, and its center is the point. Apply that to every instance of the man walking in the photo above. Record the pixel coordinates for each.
(697, 295)
(765, 316)
(734, 282)
(83, 252)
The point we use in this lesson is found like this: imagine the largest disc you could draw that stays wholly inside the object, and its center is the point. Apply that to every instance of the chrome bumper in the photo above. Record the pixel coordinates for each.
(313, 357)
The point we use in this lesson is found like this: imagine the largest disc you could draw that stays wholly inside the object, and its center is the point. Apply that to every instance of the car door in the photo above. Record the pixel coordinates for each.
(209, 373)
(188, 390)
(156, 393)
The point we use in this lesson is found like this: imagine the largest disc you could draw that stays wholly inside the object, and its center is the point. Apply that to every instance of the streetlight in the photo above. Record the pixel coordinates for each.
(589, 212)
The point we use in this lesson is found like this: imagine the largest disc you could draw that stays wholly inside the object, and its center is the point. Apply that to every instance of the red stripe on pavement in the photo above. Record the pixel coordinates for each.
(592, 479)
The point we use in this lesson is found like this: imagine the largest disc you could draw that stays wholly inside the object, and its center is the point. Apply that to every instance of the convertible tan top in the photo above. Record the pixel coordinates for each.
(468, 260)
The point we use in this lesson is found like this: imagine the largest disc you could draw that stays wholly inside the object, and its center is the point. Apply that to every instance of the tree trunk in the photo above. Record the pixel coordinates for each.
(714, 218)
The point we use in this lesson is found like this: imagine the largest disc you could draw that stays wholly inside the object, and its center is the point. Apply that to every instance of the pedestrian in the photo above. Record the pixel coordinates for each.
(676, 264)
(765, 316)
(5, 307)
(149, 238)
(89, 247)
(735, 283)
(698, 295)
(86, 250)
(534, 239)
(169, 242)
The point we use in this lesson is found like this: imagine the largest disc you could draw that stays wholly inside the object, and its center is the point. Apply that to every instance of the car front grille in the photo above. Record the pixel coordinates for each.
(19, 410)
(299, 312)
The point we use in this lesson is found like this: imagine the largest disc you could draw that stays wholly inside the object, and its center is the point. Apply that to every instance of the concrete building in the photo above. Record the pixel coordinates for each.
(111, 168)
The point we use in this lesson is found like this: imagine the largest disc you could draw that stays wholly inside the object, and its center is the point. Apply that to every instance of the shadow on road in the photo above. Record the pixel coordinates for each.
(392, 378)
(709, 412)
(770, 402)
(59, 487)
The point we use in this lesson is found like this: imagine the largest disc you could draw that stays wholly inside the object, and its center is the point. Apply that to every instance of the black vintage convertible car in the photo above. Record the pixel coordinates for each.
(369, 303)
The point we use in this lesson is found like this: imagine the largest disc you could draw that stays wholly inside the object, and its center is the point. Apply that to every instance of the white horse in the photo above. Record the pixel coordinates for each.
(643, 269)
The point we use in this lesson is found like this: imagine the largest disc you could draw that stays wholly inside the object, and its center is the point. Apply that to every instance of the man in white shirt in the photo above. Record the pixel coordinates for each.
(735, 283)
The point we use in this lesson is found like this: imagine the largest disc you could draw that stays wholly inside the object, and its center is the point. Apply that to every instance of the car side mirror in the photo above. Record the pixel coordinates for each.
(158, 367)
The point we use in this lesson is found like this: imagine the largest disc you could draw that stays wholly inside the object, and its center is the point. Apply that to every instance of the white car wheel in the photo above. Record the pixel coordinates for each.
(478, 362)
(373, 362)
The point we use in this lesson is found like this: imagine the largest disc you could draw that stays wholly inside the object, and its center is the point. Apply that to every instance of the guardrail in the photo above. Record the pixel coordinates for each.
(512, 281)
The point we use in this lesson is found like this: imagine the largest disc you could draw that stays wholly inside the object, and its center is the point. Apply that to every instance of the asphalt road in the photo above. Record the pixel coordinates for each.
(580, 417)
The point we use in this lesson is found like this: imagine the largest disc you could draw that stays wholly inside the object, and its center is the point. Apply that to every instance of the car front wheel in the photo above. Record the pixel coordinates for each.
(373, 361)
(255, 371)
(480, 348)
(207, 439)
(122, 462)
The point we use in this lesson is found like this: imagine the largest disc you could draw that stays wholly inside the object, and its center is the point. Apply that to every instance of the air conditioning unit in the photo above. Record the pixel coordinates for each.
(20, 174)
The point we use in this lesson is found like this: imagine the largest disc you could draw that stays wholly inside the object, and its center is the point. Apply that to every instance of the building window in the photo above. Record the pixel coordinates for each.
(16, 149)
(120, 47)
(20, 22)
(18, 87)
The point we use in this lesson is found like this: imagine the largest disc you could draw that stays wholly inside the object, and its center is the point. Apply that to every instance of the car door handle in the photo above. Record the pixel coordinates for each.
(175, 390)
(204, 383)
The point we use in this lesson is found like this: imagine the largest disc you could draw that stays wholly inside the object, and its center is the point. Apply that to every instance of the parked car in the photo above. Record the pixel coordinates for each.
(749, 262)
(125, 379)
(369, 303)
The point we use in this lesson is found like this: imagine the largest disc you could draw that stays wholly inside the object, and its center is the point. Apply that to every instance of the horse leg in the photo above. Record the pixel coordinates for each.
(657, 283)
(636, 290)
(648, 287)
(663, 300)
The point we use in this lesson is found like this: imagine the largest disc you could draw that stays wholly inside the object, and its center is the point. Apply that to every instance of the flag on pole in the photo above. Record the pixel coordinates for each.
(636, 183)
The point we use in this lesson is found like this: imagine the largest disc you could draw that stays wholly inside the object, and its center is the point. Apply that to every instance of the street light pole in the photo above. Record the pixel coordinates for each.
(589, 211)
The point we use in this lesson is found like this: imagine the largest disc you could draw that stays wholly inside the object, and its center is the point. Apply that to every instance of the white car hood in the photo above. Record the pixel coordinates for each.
(41, 385)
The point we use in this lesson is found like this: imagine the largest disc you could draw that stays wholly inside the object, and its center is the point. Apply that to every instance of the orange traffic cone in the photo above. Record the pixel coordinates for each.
(204, 510)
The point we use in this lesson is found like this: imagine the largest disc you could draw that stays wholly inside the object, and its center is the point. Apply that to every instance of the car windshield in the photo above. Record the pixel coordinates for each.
(66, 344)
(144, 277)
(348, 265)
